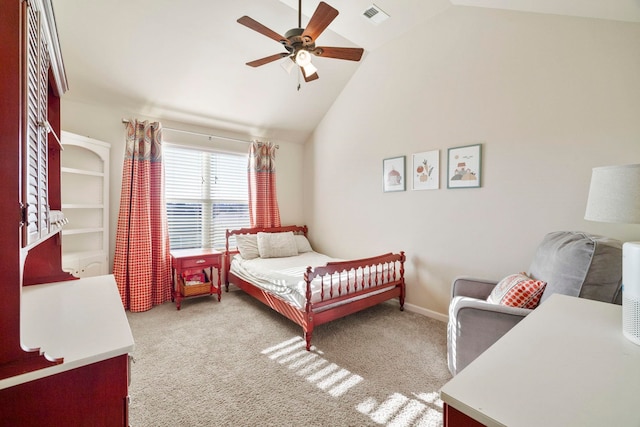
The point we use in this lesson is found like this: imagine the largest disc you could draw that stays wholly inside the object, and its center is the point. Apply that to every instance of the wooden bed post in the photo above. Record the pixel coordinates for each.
(226, 260)
(308, 327)
(402, 285)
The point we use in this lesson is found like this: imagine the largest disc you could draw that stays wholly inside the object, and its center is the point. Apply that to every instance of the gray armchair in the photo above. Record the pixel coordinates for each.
(572, 263)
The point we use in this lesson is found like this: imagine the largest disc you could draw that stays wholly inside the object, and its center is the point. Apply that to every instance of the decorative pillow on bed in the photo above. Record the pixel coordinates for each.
(302, 243)
(518, 290)
(277, 245)
(247, 245)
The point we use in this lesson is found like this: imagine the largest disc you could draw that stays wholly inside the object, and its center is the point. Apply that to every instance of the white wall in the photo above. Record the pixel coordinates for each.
(105, 124)
(549, 98)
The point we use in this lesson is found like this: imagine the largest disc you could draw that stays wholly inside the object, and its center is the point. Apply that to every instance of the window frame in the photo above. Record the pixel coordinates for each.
(211, 235)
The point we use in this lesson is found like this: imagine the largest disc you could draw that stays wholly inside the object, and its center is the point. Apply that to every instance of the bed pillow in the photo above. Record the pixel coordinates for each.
(302, 243)
(247, 245)
(277, 245)
(517, 290)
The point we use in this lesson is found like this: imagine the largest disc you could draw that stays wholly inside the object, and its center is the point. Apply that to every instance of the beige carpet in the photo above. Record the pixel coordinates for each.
(238, 363)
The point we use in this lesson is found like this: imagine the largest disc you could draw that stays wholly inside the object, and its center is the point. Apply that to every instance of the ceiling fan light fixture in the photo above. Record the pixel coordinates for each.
(288, 64)
(310, 69)
(303, 58)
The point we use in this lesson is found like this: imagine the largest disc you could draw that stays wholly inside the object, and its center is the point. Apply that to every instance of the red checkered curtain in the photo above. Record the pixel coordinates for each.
(263, 203)
(142, 263)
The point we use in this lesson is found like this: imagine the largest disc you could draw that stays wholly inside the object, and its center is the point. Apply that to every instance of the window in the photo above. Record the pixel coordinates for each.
(206, 194)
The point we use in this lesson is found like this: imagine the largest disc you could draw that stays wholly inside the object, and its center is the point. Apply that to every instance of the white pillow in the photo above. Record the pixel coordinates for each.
(277, 245)
(302, 243)
(247, 245)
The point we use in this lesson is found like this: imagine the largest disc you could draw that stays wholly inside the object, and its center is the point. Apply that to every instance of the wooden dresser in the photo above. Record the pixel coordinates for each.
(82, 324)
(64, 343)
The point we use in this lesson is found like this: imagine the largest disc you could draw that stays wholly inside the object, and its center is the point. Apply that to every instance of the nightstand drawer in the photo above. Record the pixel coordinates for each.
(200, 261)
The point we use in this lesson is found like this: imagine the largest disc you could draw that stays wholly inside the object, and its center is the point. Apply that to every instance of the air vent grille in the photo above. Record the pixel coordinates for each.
(371, 12)
(374, 14)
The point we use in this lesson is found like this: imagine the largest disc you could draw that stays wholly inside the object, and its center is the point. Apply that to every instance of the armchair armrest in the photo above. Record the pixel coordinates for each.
(485, 309)
(470, 287)
(474, 325)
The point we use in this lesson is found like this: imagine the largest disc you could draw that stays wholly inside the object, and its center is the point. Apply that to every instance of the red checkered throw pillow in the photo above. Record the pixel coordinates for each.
(518, 290)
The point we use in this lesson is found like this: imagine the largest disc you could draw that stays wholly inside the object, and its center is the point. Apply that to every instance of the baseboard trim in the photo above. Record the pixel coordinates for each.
(429, 313)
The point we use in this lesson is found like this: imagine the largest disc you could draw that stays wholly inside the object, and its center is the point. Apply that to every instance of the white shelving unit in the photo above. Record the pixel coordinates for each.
(85, 203)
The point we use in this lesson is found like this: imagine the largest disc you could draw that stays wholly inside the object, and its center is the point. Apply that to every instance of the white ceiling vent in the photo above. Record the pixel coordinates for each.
(375, 15)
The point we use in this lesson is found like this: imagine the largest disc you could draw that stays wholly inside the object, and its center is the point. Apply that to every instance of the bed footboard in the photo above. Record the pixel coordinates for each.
(351, 286)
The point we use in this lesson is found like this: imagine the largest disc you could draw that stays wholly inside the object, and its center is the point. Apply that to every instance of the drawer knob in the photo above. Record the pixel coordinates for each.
(200, 261)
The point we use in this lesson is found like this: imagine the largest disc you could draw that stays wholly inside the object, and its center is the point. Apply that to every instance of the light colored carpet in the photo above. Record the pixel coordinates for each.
(239, 363)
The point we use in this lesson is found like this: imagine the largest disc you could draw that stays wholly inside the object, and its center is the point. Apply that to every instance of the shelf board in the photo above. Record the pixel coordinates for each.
(71, 231)
(83, 254)
(81, 171)
(82, 206)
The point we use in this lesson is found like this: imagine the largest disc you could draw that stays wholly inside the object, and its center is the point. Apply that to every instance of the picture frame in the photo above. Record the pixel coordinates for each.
(393, 174)
(464, 166)
(426, 170)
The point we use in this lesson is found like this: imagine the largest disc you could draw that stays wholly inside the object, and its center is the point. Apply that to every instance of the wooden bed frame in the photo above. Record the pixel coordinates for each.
(352, 295)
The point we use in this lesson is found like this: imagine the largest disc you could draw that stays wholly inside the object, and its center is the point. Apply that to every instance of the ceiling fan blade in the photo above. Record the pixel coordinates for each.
(267, 59)
(256, 26)
(310, 78)
(322, 17)
(348, 53)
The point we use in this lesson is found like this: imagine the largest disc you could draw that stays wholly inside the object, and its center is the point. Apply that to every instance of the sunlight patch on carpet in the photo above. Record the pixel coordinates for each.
(423, 409)
(284, 344)
(329, 377)
(344, 386)
(401, 411)
(382, 413)
(332, 379)
(302, 361)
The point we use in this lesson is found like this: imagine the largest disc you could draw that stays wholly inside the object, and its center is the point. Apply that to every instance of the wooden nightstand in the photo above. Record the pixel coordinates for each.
(193, 273)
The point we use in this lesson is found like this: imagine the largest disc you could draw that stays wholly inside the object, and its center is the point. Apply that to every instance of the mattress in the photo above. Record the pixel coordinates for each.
(285, 276)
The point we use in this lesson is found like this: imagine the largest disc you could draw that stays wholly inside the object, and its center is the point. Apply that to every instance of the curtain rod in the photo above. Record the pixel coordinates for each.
(203, 134)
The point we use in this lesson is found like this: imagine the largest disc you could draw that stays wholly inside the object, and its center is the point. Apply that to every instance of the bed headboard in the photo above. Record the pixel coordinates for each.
(226, 256)
(297, 229)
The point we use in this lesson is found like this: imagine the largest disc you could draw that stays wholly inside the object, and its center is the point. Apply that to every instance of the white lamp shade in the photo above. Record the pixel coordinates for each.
(288, 64)
(614, 195)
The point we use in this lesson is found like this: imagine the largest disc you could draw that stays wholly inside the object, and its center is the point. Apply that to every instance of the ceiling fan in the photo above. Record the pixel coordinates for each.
(300, 42)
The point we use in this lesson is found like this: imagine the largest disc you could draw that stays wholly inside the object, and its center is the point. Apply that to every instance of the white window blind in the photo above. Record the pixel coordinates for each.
(206, 194)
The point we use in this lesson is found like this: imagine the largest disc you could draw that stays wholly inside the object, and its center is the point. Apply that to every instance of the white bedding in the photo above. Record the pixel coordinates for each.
(285, 276)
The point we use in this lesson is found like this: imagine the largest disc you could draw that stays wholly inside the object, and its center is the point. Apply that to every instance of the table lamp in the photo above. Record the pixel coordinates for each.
(614, 196)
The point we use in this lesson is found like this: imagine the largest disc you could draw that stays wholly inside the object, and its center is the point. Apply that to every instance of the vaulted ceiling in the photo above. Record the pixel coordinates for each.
(185, 60)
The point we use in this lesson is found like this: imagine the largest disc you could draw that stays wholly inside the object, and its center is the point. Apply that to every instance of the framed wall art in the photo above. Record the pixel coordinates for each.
(426, 170)
(464, 165)
(393, 175)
